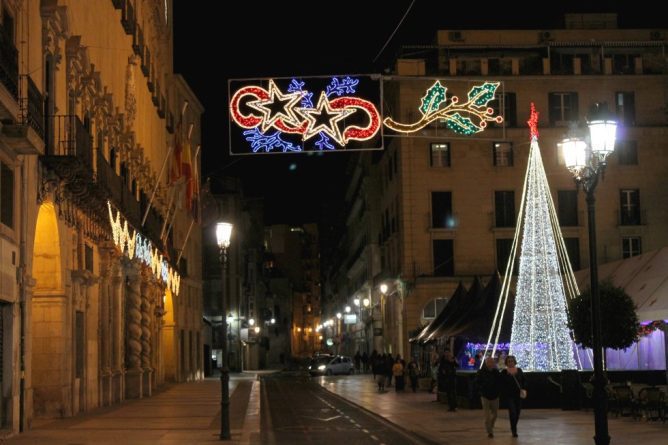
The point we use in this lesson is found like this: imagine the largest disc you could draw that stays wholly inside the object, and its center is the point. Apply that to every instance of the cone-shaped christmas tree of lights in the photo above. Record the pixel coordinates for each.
(540, 336)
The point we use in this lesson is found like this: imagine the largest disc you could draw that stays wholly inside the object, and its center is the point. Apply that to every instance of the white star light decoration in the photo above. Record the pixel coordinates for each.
(329, 126)
(255, 108)
(278, 106)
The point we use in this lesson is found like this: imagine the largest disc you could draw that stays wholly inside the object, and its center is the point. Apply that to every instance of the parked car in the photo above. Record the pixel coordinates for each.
(328, 365)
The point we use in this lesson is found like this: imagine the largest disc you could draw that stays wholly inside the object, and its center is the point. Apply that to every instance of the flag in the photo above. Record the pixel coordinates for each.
(195, 197)
(175, 168)
(187, 173)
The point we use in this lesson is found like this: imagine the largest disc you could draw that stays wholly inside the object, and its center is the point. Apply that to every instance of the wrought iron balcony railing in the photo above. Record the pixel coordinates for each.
(9, 63)
(31, 105)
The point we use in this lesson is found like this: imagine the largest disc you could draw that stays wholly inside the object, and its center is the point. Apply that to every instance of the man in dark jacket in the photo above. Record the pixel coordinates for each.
(447, 379)
(488, 381)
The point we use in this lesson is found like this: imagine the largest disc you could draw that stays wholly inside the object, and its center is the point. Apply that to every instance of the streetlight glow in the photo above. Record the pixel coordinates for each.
(587, 170)
(603, 135)
(223, 234)
(383, 288)
(366, 302)
(356, 301)
(347, 309)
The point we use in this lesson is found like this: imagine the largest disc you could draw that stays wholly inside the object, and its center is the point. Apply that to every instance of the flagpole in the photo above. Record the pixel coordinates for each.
(174, 215)
(155, 189)
(174, 186)
(197, 188)
(169, 209)
(192, 223)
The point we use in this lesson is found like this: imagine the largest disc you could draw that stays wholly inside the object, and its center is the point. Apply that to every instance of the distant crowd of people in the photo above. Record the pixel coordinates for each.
(492, 383)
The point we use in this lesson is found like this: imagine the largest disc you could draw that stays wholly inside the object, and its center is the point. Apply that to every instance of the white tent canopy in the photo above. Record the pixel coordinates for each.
(643, 277)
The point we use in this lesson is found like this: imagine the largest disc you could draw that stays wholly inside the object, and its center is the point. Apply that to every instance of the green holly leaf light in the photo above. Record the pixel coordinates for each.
(462, 125)
(480, 95)
(433, 98)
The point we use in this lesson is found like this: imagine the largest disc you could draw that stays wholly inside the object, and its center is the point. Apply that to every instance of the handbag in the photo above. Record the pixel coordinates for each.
(523, 392)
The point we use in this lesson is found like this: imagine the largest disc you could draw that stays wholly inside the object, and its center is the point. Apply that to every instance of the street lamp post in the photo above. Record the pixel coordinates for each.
(223, 234)
(587, 163)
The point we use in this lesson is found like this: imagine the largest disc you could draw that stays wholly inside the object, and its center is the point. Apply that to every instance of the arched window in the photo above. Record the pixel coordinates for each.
(433, 308)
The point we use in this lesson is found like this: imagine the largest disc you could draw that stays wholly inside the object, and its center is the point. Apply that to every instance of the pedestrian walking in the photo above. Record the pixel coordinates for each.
(488, 382)
(374, 363)
(447, 375)
(413, 371)
(434, 375)
(513, 388)
(398, 373)
(357, 358)
(378, 369)
(389, 362)
(365, 362)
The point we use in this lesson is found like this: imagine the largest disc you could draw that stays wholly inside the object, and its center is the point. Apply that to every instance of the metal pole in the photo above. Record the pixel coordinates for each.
(601, 436)
(224, 369)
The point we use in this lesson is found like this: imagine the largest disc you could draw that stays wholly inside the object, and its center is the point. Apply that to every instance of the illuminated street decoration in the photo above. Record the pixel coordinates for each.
(134, 245)
(324, 118)
(540, 337)
(278, 106)
(465, 118)
(277, 119)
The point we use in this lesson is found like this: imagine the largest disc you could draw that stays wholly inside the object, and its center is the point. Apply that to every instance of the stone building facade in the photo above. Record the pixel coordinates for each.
(440, 208)
(101, 248)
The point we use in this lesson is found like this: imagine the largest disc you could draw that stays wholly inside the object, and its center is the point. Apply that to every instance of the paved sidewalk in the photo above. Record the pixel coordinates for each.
(183, 414)
(419, 413)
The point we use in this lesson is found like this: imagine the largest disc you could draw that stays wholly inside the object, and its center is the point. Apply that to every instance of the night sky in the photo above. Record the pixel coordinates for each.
(349, 35)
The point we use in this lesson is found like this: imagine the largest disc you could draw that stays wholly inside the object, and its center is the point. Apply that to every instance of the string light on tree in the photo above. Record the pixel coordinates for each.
(540, 336)
(466, 118)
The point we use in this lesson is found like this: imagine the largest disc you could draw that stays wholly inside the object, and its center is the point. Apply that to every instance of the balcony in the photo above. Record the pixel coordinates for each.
(27, 137)
(146, 62)
(71, 160)
(9, 77)
(128, 19)
(169, 124)
(138, 41)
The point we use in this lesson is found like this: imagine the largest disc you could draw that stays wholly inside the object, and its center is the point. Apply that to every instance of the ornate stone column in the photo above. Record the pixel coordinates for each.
(147, 296)
(107, 257)
(159, 321)
(82, 368)
(133, 342)
(117, 336)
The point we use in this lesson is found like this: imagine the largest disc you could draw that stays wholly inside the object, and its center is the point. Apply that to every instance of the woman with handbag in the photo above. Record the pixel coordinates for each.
(514, 389)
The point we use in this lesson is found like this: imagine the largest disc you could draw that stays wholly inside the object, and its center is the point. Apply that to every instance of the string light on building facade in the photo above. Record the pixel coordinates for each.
(465, 118)
(134, 245)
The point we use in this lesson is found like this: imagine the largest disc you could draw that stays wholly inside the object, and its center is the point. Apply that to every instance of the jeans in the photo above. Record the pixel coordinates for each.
(491, 409)
(514, 408)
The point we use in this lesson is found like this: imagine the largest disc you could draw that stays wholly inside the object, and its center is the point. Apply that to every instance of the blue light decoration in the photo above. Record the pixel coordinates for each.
(263, 142)
(347, 85)
(465, 118)
(307, 98)
(323, 143)
(282, 117)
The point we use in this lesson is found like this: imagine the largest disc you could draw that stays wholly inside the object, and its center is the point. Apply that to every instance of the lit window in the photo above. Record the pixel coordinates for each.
(503, 154)
(440, 155)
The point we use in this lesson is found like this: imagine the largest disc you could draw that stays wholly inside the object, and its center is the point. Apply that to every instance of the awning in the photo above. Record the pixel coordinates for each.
(643, 277)
(425, 334)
